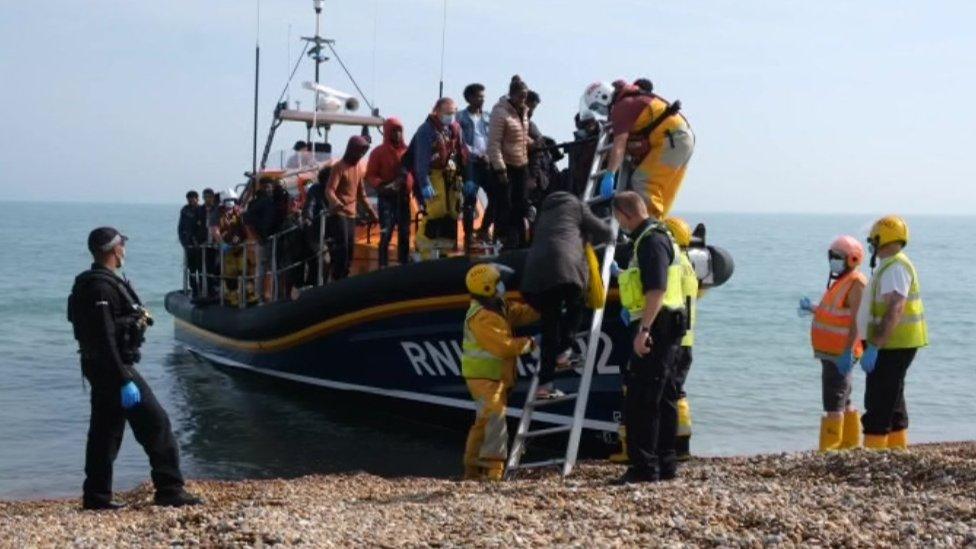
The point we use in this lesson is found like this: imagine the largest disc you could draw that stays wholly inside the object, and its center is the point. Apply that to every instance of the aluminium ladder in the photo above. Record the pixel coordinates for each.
(591, 196)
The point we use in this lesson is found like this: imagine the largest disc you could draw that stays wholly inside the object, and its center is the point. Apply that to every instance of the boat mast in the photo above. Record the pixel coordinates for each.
(317, 53)
(257, 72)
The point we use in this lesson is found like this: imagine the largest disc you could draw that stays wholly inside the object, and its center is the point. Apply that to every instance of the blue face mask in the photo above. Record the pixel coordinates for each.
(500, 289)
(838, 266)
(446, 119)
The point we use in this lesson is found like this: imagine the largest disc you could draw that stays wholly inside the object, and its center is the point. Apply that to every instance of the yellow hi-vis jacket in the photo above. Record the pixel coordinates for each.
(911, 331)
(689, 291)
(631, 287)
(489, 348)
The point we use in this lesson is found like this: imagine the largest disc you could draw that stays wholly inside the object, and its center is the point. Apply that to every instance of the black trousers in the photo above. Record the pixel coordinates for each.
(152, 429)
(211, 258)
(394, 213)
(194, 264)
(512, 206)
(682, 365)
(651, 409)
(486, 180)
(311, 233)
(884, 393)
(560, 309)
(342, 231)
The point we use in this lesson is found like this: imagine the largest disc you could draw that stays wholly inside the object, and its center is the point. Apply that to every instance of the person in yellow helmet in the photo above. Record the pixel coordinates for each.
(489, 352)
(893, 319)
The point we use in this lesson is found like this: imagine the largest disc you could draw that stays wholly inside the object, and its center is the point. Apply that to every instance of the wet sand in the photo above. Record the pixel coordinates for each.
(926, 496)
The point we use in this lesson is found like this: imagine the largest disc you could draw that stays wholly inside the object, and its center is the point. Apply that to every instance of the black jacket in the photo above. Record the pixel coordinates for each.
(192, 228)
(556, 256)
(262, 215)
(102, 311)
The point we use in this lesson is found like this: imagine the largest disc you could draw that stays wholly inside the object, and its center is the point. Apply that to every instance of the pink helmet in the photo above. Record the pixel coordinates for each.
(850, 247)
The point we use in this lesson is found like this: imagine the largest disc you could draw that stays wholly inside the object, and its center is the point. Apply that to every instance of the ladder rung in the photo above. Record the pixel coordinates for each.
(605, 149)
(540, 464)
(549, 431)
(547, 401)
(599, 174)
(598, 201)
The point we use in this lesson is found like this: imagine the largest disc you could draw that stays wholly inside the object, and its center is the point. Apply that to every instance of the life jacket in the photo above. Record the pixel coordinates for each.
(689, 290)
(632, 289)
(446, 149)
(833, 317)
(654, 125)
(476, 362)
(912, 330)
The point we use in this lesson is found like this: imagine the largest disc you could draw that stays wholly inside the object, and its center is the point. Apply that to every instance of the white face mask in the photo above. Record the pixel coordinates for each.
(446, 119)
(837, 266)
(500, 289)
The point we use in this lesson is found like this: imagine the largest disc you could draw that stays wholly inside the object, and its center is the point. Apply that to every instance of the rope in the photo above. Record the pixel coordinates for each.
(292, 75)
(351, 79)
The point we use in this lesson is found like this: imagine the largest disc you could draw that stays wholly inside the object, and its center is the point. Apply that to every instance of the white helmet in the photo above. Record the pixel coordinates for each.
(596, 99)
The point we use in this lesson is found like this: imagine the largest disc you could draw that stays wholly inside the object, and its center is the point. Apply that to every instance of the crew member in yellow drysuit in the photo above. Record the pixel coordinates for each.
(490, 350)
(649, 131)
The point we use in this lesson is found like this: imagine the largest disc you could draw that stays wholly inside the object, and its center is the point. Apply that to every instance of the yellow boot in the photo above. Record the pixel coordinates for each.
(494, 470)
(851, 434)
(473, 472)
(682, 443)
(621, 456)
(830, 432)
(898, 440)
(875, 442)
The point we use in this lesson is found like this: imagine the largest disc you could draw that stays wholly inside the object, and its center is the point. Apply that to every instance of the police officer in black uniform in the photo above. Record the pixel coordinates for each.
(109, 322)
(651, 400)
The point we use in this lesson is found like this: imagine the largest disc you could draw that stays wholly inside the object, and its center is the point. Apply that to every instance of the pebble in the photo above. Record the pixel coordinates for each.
(926, 496)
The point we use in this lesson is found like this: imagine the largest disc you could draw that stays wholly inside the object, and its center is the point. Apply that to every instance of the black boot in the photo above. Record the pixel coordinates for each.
(634, 476)
(178, 499)
(96, 505)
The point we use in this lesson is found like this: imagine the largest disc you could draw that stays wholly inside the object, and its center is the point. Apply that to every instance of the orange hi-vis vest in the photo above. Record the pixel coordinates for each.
(833, 317)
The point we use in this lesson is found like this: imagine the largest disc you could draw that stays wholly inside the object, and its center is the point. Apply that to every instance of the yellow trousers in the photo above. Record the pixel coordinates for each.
(487, 444)
(443, 205)
(659, 175)
(234, 267)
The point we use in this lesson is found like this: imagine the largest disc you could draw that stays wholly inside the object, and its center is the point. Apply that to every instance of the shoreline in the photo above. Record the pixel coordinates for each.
(924, 496)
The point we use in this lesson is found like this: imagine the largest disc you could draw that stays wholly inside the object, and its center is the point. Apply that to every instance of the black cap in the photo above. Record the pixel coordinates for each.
(103, 239)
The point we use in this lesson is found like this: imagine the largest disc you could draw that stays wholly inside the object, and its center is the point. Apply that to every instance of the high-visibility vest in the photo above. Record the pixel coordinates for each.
(833, 318)
(689, 290)
(476, 362)
(912, 331)
(631, 287)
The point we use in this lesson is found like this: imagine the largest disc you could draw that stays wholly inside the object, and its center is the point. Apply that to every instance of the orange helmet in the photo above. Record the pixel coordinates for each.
(850, 247)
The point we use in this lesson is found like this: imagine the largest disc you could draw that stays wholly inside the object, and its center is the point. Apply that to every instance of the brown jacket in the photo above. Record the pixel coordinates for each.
(508, 136)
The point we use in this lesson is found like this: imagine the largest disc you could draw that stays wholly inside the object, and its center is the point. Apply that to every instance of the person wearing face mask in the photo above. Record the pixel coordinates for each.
(393, 186)
(508, 152)
(892, 319)
(474, 124)
(489, 352)
(834, 335)
(437, 158)
(109, 323)
(344, 192)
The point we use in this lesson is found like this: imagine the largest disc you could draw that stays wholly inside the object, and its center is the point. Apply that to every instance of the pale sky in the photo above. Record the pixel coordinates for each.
(798, 106)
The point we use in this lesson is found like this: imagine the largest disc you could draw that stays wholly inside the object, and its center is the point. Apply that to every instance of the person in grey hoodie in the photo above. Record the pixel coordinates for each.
(556, 275)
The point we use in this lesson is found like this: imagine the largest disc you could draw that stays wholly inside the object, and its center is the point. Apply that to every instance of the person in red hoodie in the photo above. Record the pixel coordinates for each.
(393, 185)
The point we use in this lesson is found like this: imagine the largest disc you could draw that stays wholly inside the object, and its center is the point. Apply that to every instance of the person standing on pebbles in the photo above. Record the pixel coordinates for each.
(651, 293)
(489, 352)
(109, 323)
(894, 320)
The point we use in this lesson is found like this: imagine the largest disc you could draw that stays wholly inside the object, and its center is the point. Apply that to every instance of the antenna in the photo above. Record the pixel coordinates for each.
(257, 72)
(440, 91)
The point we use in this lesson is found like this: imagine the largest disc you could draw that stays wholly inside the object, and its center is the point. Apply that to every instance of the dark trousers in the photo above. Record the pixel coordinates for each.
(511, 207)
(151, 426)
(312, 241)
(682, 365)
(211, 258)
(560, 309)
(394, 213)
(884, 393)
(481, 172)
(194, 265)
(651, 410)
(342, 231)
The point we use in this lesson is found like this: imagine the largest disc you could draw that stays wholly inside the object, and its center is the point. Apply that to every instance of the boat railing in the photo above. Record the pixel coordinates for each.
(241, 264)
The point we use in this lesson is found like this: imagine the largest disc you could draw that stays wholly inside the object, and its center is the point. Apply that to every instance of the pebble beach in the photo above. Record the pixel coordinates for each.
(923, 497)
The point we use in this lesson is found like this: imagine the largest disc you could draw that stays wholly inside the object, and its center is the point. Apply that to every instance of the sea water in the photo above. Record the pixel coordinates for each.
(754, 386)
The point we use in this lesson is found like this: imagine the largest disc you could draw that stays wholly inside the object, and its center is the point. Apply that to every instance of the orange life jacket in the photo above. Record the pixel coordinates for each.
(833, 317)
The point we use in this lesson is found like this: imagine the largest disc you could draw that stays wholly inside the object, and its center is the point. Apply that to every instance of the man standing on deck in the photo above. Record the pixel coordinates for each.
(109, 322)
(191, 231)
(345, 191)
(894, 320)
(393, 185)
(651, 293)
(474, 132)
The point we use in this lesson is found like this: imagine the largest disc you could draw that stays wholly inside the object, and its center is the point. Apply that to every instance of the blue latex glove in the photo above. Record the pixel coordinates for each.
(607, 185)
(806, 305)
(470, 189)
(869, 359)
(614, 269)
(131, 396)
(845, 363)
(427, 191)
(625, 316)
